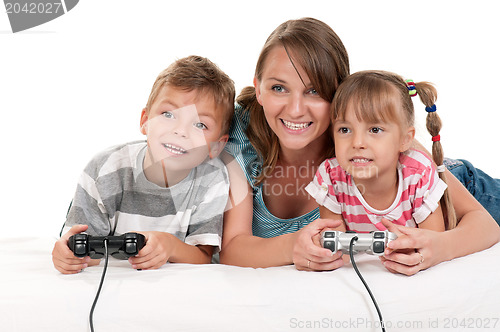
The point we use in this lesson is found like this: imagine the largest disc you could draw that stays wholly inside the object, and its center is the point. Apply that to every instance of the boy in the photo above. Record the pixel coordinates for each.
(173, 189)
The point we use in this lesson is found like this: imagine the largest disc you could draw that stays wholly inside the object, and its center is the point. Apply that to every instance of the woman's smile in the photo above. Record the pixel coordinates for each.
(295, 126)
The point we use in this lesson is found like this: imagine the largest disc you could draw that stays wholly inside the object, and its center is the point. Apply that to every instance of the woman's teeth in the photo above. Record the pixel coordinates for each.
(296, 126)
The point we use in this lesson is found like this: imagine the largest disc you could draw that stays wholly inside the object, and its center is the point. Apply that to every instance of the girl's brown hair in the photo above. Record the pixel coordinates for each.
(383, 96)
(315, 48)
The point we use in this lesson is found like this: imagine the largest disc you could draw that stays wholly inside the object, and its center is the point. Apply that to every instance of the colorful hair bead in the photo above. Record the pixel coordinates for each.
(431, 109)
(412, 89)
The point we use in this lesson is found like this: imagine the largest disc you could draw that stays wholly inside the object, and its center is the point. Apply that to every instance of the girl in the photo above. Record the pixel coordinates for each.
(376, 173)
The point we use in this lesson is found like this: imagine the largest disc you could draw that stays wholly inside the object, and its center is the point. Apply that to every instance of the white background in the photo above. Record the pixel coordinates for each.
(76, 85)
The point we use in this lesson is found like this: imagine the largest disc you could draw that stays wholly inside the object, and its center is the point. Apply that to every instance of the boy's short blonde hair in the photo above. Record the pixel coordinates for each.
(199, 73)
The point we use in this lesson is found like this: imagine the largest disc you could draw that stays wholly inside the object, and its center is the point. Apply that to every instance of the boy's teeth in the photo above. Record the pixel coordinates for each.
(296, 126)
(174, 149)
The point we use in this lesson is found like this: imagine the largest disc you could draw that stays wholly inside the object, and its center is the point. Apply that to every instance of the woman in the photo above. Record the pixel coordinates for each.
(281, 134)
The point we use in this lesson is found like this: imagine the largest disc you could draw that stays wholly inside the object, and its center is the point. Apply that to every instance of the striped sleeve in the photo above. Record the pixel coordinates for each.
(87, 207)
(100, 188)
(426, 187)
(322, 187)
(205, 226)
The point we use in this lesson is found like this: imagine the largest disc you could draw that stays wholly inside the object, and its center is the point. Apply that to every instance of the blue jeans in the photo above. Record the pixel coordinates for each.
(482, 186)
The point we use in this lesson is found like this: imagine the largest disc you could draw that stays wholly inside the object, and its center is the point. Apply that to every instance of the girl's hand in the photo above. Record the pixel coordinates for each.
(63, 258)
(157, 251)
(308, 255)
(414, 250)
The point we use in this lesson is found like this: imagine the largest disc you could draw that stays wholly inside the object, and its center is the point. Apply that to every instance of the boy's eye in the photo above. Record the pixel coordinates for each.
(200, 125)
(168, 114)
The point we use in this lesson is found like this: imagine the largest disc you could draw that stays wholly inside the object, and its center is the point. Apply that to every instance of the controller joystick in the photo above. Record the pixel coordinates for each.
(120, 247)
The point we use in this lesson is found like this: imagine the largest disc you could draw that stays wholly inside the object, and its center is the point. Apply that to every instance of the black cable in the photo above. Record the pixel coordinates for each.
(100, 285)
(355, 238)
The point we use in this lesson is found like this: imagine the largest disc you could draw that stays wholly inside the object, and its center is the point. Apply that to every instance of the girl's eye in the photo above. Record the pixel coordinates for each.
(344, 130)
(376, 130)
(168, 115)
(200, 125)
(278, 88)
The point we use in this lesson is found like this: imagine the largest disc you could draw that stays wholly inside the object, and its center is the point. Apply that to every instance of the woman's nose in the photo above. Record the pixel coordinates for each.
(296, 105)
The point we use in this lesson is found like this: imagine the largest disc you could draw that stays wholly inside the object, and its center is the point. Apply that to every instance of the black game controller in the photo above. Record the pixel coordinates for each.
(120, 247)
(373, 243)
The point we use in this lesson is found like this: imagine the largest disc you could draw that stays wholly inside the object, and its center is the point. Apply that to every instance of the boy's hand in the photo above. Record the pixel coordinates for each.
(63, 258)
(157, 251)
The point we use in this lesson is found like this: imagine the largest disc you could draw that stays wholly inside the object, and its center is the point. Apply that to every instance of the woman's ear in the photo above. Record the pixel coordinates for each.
(217, 147)
(407, 139)
(144, 121)
(257, 90)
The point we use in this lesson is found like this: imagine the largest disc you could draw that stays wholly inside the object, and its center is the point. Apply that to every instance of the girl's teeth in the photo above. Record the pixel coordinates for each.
(360, 160)
(296, 126)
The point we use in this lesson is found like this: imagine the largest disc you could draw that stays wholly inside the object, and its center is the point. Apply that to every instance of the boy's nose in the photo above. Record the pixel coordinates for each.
(180, 133)
(181, 130)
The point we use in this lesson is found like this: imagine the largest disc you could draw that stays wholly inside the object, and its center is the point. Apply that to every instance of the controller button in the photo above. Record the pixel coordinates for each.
(378, 235)
(329, 245)
(329, 235)
(378, 247)
(80, 249)
(130, 248)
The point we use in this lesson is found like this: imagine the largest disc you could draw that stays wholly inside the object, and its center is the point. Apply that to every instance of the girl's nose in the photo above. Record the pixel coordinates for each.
(358, 141)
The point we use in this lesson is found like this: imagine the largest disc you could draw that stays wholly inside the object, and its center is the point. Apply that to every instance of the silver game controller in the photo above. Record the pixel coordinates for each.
(373, 243)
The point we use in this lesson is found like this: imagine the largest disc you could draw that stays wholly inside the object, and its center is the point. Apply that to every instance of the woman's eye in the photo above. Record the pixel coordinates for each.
(200, 125)
(168, 115)
(278, 88)
(313, 92)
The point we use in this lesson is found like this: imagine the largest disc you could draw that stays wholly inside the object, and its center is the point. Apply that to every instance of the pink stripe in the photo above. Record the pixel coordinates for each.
(407, 215)
(356, 219)
(378, 226)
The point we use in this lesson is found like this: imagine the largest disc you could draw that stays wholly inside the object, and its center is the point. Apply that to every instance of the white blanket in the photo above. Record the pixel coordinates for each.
(460, 295)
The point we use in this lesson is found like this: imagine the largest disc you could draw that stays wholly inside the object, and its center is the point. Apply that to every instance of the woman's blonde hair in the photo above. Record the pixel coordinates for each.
(383, 96)
(316, 49)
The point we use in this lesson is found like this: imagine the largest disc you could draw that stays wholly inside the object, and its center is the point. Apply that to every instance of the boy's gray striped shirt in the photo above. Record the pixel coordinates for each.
(113, 196)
